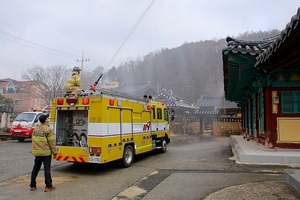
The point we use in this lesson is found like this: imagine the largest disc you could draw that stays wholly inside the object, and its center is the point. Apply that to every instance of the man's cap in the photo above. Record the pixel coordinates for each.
(76, 69)
(43, 118)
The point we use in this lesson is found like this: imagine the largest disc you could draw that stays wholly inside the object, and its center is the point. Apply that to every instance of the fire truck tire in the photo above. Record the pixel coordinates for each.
(128, 156)
(164, 146)
(20, 139)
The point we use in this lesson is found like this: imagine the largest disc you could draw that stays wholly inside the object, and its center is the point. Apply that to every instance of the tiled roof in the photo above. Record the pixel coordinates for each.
(172, 100)
(207, 110)
(292, 29)
(211, 105)
(219, 102)
(238, 65)
(4, 82)
(6, 79)
(24, 83)
(246, 61)
(252, 48)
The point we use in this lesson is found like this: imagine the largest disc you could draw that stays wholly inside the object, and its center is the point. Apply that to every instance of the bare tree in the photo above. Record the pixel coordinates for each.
(48, 80)
(214, 84)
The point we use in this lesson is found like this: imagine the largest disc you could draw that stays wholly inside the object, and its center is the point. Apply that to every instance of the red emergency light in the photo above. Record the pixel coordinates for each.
(111, 102)
(148, 107)
(85, 101)
(60, 101)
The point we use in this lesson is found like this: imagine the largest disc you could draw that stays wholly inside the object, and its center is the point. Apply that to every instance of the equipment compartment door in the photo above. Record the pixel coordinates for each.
(126, 122)
(114, 122)
(114, 133)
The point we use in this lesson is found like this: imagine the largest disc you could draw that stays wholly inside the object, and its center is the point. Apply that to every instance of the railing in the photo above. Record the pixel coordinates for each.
(107, 92)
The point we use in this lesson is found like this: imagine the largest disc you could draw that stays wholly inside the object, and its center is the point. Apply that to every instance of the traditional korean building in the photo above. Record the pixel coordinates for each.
(263, 78)
(185, 122)
(218, 116)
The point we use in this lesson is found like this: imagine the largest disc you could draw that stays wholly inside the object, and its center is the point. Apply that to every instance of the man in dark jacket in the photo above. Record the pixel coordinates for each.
(43, 146)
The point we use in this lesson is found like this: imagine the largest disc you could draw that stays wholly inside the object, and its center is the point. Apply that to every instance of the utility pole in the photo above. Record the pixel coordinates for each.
(83, 60)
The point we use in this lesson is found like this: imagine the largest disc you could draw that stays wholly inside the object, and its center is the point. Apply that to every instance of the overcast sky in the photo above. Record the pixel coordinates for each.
(57, 32)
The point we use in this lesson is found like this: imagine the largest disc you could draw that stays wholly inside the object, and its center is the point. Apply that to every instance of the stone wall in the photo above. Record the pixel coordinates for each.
(193, 128)
(188, 128)
(227, 127)
(220, 127)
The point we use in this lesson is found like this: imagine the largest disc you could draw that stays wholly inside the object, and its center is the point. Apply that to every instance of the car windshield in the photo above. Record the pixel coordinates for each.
(25, 117)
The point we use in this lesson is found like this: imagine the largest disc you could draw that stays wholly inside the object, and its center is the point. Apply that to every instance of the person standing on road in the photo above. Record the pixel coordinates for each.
(43, 146)
(73, 84)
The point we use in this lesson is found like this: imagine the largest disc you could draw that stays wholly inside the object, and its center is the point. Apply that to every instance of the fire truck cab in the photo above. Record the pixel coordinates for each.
(104, 126)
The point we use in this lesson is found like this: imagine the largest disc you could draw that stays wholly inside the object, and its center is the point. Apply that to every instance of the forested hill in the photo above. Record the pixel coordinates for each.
(190, 70)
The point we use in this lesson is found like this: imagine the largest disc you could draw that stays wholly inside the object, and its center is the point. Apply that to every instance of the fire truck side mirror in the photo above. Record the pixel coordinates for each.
(172, 115)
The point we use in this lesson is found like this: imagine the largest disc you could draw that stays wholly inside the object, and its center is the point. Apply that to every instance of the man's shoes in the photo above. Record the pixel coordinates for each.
(49, 189)
(32, 188)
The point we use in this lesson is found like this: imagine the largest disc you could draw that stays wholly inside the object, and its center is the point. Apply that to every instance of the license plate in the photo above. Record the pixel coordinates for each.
(17, 131)
(94, 159)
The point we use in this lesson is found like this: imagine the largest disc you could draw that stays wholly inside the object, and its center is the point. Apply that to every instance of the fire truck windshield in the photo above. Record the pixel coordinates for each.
(25, 117)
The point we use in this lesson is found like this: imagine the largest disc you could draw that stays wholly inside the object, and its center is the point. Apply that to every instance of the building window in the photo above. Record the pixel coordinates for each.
(10, 91)
(290, 101)
(17, 102)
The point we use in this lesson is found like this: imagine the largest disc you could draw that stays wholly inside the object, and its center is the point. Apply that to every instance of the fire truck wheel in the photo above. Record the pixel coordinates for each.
(128, 156)
(164, 146)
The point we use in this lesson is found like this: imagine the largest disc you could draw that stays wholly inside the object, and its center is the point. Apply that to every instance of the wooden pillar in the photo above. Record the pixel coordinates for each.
(268, 118)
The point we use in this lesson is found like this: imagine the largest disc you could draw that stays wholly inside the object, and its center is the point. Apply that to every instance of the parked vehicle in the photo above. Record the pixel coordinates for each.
(24, 124)
(101, 127)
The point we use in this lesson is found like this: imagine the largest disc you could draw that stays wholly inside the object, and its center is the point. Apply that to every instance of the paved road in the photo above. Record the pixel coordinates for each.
(194, 167)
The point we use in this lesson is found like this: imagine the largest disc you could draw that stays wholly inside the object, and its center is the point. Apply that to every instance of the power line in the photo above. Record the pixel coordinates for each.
(130, 33)
(38, 46)
(18, 30)
(35, 45)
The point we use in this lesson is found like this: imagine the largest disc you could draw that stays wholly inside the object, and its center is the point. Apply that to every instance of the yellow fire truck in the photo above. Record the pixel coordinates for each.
(101, 126)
